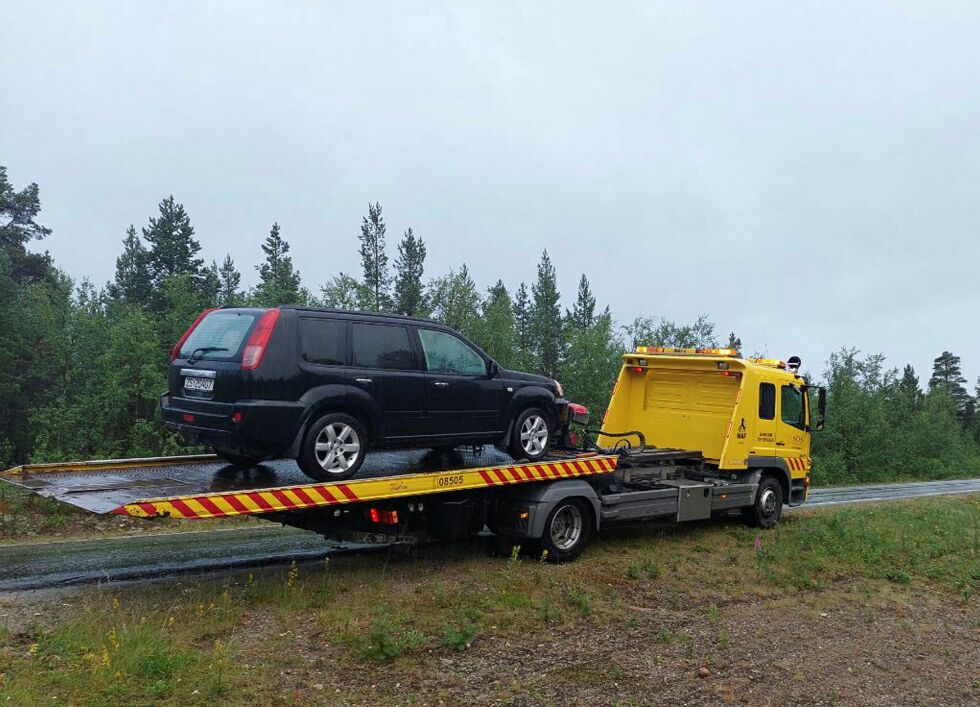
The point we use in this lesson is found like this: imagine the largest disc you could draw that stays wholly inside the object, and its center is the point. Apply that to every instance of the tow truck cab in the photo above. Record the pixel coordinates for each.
(743, 415)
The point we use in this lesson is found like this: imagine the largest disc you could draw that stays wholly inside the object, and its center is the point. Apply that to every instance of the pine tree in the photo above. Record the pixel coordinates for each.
(18, 211)
(583, 311)
(456, 301)
(374, 260)
(592, 362)
(172, 247)
(546, 324)
(210, 285)
(908, 388)
(279, 282)
(948, 377)
(735, 343)
(495, 330)
(229, 292)
(523, 334)
(409, 266)
(133, 283)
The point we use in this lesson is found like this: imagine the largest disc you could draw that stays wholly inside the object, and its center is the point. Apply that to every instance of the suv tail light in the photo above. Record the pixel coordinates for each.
(258, 339)
(176, 351)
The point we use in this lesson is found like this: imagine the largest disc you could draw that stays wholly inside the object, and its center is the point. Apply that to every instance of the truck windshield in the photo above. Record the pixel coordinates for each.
(218, 336)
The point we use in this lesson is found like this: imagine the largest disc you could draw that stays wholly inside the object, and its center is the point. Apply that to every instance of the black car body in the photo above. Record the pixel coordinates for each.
(257, 383)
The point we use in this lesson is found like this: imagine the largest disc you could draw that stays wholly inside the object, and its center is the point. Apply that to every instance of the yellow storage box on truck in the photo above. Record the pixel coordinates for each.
(689, 434)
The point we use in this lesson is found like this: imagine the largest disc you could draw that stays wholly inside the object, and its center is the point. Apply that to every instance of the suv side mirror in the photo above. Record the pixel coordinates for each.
(821, 409)
(493, 369)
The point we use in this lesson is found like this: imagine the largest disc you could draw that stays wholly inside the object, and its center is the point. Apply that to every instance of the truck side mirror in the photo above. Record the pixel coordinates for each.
(821, 409)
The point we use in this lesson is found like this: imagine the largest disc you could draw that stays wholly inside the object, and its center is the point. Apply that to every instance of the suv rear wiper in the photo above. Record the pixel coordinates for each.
(203, 350)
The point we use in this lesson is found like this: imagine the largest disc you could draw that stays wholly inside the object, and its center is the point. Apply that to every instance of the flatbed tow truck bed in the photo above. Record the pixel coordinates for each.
(203, 486)
(406, 497)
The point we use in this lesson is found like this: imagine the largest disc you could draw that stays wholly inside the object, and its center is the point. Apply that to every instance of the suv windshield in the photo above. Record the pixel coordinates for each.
(218, 336)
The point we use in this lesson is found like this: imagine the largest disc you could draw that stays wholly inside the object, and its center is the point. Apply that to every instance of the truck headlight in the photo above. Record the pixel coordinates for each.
(561, 392)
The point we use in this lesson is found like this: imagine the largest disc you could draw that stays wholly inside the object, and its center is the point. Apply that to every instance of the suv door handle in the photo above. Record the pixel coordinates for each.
(363, 381)
(440, 384)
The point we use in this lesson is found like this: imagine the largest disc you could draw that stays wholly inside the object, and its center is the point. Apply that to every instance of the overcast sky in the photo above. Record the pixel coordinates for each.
(807, 174)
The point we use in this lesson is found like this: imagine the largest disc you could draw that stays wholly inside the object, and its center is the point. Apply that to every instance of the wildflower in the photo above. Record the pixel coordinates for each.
(3, 680)
(758, 543)
(292, 575)
(171, 622)
(115, 602)
(32, 649)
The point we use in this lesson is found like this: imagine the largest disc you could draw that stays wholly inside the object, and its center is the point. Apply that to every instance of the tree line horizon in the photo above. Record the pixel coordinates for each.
(82, 368)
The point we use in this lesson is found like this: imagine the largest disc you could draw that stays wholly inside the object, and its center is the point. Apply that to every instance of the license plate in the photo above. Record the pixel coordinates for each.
(205, 385)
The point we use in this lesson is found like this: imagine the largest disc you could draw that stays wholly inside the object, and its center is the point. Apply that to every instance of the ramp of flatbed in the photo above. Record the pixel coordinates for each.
(203, 486)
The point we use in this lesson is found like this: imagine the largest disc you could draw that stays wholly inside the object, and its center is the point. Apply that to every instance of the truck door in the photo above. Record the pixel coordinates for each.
(791, 433)
(763, 440)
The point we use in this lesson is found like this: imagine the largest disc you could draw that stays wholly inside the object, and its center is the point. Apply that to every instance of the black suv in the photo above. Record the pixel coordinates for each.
(323, 386)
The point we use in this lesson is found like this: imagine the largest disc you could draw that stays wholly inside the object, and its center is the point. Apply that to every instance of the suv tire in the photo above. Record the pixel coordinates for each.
(333, 447)
(531, 436)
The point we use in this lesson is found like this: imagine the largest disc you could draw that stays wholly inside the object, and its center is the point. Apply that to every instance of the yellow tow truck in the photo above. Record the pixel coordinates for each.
(689, 434)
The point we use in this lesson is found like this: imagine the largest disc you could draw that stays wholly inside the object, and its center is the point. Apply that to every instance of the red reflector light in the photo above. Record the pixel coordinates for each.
(637, 369)
(188, 418)
(236, 417)
(258, 339)
(176, 350)
(383, 517)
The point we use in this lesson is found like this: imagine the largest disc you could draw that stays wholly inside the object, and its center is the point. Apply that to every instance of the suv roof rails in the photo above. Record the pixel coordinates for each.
(361, 313)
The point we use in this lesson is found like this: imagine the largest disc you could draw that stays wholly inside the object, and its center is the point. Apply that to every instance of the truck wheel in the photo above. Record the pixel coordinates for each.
(768, 506)
(238, 460)
(531, 436)
(333, 448)
(567, 530)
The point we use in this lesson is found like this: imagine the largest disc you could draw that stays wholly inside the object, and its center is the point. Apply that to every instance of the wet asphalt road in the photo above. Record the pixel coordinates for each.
(46, 565)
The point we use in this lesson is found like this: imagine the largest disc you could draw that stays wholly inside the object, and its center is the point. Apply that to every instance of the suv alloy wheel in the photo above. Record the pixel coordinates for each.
(333, 447)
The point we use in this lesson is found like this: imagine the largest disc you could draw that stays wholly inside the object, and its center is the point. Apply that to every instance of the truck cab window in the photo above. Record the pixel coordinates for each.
(444, 353)
(791, 406)
(767, 401)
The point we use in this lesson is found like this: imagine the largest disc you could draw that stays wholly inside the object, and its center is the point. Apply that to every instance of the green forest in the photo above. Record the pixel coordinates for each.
(82, 365)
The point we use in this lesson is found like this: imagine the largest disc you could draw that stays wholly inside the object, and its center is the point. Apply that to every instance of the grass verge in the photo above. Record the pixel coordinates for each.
(279, 634)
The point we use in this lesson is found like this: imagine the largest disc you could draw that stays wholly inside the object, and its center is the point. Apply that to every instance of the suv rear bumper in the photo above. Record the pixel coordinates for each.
(247, 427)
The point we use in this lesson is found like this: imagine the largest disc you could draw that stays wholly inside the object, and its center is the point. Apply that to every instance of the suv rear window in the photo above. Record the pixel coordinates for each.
(222, 332)
(324, 341)
(382, 346)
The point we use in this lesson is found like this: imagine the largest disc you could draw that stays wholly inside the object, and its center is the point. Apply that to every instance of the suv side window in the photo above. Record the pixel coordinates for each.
(324, 341)
(791, 406)
(382, 346)
(767, 401)
(444, 353)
